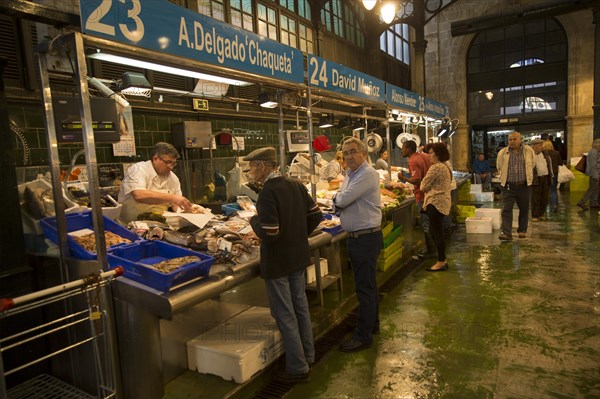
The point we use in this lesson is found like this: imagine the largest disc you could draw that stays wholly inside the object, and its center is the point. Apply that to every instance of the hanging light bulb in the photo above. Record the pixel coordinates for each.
(369, 4)
(388, 12)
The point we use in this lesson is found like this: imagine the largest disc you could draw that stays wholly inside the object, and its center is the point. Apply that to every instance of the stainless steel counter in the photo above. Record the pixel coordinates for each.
(139, 309)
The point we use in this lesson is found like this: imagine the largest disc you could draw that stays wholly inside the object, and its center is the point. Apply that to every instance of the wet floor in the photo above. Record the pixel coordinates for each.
(507, 320)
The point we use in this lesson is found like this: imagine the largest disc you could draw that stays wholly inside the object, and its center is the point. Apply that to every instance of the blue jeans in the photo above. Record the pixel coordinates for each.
(554, 192)
(363, 252)
(289, 307)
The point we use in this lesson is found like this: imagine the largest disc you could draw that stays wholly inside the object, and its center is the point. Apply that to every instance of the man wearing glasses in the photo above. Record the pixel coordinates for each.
(359, 205)
(151, 186)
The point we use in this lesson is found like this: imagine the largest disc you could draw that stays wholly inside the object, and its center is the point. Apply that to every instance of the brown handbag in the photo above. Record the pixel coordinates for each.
(582, 164)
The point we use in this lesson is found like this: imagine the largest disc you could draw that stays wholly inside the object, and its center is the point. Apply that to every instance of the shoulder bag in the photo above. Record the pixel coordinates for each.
(582, 164)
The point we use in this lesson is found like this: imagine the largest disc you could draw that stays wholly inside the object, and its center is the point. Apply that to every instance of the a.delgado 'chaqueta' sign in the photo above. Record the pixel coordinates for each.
(165, 27)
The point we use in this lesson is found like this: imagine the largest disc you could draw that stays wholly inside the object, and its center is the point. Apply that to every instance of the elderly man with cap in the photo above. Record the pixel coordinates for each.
(542, 179)
(286, 215)
(515, 165)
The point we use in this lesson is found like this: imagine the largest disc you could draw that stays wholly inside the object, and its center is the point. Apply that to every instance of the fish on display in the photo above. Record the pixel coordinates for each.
(175, 237)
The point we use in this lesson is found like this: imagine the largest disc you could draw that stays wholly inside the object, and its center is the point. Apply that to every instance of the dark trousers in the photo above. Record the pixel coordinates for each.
(436, 229)
(540, 194)
(521, 195)
(363, 252)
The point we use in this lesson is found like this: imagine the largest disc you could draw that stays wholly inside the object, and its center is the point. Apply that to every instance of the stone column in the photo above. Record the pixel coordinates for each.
(596, 107)
(419, 84)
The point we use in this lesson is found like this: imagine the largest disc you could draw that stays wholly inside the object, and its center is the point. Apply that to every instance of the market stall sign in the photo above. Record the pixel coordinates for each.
(334, 77)
(436, 109)
(164, 27)
(399, 98)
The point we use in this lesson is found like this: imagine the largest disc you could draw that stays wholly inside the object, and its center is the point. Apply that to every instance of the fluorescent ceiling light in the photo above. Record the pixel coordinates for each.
(163, 68)
(267, 101)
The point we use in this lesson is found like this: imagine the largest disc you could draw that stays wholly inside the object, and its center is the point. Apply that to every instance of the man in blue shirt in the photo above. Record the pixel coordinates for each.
(482, 172)
(358, 203)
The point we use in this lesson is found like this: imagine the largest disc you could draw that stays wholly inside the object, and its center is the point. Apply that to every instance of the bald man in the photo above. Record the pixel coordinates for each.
(515, 165)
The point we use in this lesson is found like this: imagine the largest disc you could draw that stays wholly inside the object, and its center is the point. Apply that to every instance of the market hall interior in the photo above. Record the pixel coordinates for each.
(456, 71)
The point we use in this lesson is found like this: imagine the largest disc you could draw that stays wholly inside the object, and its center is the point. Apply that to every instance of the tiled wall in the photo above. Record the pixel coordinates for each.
(150, 128)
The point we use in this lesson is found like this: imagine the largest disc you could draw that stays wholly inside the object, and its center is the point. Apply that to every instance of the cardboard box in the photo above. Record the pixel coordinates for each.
(238, 348)
(479, 225)
(495, 214)
(311, 275)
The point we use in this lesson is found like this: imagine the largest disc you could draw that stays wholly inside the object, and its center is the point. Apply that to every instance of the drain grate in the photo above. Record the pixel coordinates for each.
(332, 338)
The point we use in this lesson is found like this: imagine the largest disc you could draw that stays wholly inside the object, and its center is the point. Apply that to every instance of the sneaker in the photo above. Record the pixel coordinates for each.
(522, 235)
(504, 237)
(287, 378)
(354, 345)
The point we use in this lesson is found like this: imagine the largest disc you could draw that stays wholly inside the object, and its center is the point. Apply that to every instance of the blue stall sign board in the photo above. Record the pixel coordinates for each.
(337, 78)
(397, 97)
(436, 109)
(162, 26)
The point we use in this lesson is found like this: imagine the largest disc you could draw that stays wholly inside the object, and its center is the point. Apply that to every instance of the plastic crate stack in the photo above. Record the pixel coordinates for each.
(464, 212)
(392, 247)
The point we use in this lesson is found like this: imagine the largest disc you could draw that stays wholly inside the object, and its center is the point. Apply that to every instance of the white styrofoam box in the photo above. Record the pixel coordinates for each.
(238, 348)
(483, 197)
(475, 188)
(41, 183)
(479, 225)
(495, 214)
(311, 275)
(111, 212)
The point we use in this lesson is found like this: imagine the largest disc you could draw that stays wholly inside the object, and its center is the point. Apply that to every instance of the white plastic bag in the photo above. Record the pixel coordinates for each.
(564, 174)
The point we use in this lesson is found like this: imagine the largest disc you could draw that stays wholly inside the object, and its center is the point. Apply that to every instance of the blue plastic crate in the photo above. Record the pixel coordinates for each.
(79, 221)
(136, 257)
(334, 230)
(231, 208)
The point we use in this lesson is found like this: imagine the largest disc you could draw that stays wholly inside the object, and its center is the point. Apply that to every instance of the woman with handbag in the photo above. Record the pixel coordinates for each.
(592, 169)
(437, 187)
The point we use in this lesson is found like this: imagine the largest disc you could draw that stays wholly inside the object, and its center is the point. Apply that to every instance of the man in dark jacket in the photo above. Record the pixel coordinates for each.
(286, 215)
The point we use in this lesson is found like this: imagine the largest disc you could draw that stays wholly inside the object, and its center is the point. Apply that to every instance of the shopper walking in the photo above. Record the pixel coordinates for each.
(358, 204)
(557, 161)
(286, 215)
(593, 171)
(515, 166)
(542, 179)
(437, 187)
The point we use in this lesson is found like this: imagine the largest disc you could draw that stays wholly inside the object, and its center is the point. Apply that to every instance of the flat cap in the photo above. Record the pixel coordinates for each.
(537, 141)
(262, 154)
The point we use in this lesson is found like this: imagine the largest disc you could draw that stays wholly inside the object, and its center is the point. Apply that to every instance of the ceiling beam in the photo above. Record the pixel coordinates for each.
(547, 9)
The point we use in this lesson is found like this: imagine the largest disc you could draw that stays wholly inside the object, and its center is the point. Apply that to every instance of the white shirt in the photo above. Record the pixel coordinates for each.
(142, 176)
(540, 164)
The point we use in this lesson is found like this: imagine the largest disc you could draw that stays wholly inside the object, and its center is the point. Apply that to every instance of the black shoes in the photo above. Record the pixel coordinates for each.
(441, 269)
(287, 378)
(582, 206)
(504, 237)
(353, 345)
